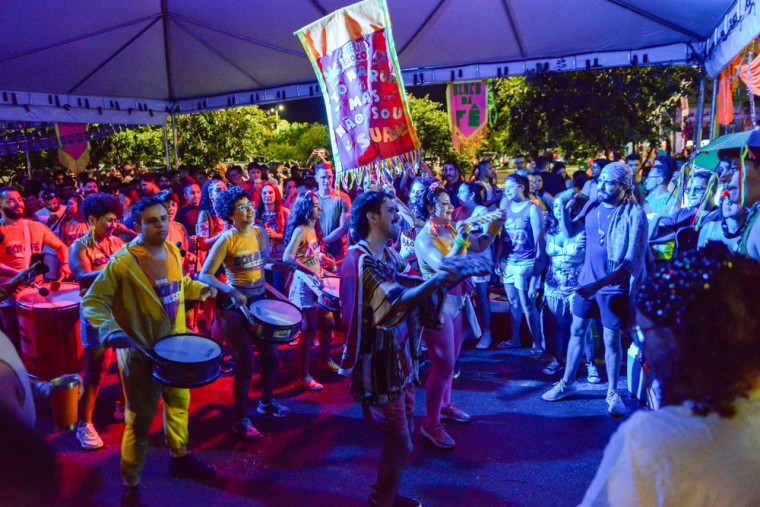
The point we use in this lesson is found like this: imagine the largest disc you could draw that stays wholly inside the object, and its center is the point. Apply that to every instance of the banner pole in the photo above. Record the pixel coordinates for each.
(712, 109)
(174, 132)
(166, 149)
(700, 109)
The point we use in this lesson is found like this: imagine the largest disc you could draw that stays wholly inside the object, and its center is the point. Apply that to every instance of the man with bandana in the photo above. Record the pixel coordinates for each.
(616, 231)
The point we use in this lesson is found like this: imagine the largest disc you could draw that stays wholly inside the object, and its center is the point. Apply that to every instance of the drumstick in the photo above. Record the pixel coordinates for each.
(277, 294)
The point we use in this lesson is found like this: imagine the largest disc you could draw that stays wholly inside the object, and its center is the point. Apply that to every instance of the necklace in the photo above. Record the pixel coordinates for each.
(731, 235)
(602, 230)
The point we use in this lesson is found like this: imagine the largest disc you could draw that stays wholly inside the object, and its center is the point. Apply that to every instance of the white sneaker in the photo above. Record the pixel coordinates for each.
(559, 391)
(484, 342)
(615, 405)
(88, 437)
(593, 374)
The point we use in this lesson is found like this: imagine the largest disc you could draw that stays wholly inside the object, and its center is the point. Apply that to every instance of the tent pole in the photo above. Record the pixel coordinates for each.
(751, 90)
(712, 109)
(174, 132)
(166, 149)
(700, 108)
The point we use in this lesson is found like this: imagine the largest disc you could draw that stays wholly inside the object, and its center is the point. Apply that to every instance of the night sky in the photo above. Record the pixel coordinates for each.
(313, 109)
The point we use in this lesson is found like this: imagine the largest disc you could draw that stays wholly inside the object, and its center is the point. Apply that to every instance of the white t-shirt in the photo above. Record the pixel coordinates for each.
(672, 457)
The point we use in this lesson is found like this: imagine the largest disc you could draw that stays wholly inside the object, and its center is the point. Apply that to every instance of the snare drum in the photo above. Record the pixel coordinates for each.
(186, 360)
(49, 330)
(275, 321)
(329, 294)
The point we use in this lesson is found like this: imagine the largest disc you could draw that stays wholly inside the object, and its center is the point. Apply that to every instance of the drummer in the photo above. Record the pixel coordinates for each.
(139, 299)
(242, 250)
(303, 252)
(19, 239)
(88, 255)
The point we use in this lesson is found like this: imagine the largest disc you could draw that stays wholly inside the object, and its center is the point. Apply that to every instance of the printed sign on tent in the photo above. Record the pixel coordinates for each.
(353, 55)
(74, 146)
(468, 114)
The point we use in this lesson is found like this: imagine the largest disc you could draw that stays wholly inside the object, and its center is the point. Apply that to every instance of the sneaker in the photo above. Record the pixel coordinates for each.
(398, 501)
(190, 467)
(329, 365)
(593, 374)
(615, 405)
(484, 342)
(309, 384)
(245, 430)
(118, 411)
(130, 497)
(454, 413)
(273, 409)
(88, 437)
(552, 367)
(536, 353)
(559, 391)
(438, 436)
(228, 367)
(508, 345)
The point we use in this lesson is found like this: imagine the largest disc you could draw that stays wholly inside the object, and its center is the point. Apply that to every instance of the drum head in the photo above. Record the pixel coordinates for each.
(331, 285)
(187, 348)
(67, 296)
(275, 312)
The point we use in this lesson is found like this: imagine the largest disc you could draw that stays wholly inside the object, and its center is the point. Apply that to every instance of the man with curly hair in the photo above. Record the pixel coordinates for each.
(383, 332)
(88, 256)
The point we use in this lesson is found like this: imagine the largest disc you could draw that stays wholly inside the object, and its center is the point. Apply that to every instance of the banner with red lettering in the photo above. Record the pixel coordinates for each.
(468, 114)
(354, 57)
(74, 146)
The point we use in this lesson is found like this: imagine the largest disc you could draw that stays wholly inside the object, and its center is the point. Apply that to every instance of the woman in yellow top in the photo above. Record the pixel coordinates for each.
(439, 239)
(242, 250)
(303, 252)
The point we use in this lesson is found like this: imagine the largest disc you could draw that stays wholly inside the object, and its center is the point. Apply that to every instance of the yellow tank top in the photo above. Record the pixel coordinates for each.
(244, 263)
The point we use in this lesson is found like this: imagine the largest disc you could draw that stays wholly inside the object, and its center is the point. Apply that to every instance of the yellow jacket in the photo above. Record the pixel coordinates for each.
(123, 299)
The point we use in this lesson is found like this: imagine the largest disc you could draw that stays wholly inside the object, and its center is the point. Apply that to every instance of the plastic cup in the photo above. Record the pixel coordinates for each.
(64, 398)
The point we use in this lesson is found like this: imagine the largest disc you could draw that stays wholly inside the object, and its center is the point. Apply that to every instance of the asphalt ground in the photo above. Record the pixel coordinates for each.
(517, 450)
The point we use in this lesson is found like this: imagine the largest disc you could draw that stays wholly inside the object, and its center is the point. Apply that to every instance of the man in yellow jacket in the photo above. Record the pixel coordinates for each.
(136, 300)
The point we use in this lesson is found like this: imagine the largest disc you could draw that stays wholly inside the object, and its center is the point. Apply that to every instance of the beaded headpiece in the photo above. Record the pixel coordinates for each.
(666, 294)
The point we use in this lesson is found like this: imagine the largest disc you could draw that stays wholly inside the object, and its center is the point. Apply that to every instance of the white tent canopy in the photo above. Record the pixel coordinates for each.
(131, 61)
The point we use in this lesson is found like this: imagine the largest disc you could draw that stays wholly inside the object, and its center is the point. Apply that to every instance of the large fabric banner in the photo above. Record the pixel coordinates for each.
(468, 114)
(355, 61)
(74, 146)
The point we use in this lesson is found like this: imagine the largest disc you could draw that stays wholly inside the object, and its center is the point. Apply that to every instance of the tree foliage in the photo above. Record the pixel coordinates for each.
(581, 113)
(295, 141)
(432, 123)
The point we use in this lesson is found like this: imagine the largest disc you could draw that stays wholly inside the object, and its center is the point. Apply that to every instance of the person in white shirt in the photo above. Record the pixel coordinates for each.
(698, 319)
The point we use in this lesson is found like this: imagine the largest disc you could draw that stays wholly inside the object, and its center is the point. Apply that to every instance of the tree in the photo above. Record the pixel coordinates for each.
(581, 113)
(432, 124)
(295, 141)
(143, 146)
(206, 139)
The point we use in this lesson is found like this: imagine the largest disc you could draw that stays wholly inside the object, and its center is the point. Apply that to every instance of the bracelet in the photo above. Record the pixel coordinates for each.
(461, 243)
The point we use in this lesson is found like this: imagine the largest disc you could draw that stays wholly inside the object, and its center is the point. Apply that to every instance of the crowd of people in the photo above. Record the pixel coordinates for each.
(418, 261)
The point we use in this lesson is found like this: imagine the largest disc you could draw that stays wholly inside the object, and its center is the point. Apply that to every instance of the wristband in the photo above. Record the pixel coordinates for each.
(461, 243)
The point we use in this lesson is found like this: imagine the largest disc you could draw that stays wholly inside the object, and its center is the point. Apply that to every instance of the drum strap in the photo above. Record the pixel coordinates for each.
(27, 243)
